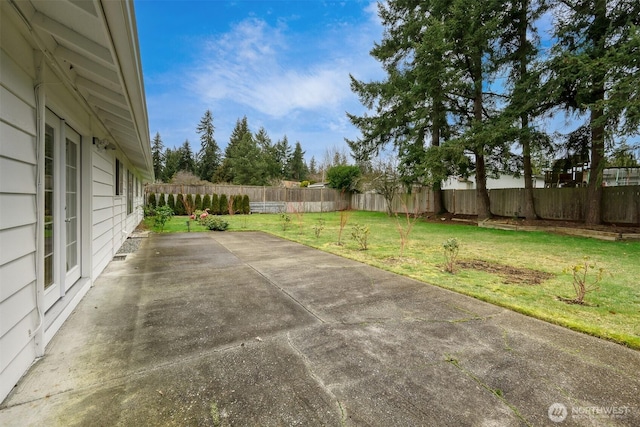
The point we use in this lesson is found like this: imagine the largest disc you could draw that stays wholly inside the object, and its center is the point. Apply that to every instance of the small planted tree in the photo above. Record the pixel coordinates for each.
(246, 205)
(197, 203)
(189, 205)
(171, 202)
(206, 202)
(586, 276)
(237, 204)
(405, 225)
(344, 218)
(163, 214)
(223, 206)
(180, 207)
(360, 233)
(451, 249)
(215, 204)
(317, 229)
(161, 200)
(151, 200)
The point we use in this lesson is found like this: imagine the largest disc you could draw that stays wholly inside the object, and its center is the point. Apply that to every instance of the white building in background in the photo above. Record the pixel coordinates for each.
(74, 153)
(504, 181)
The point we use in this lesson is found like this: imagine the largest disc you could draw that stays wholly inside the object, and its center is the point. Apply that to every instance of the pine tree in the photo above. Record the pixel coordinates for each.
(215, 204)
(594, 72)
(157, 155)
(209, 155)
(206, 202)
(297, 166)
(172, 164)
(197, 204)
(171, 202)
(272, 170)
(226, 172)
(186, 161)
(282, 157)
(223, 205)
(161, 200)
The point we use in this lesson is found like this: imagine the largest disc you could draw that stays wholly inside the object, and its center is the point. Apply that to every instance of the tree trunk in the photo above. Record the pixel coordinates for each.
(482, 196)
(593, 214)
(438, 199)
(525, 140)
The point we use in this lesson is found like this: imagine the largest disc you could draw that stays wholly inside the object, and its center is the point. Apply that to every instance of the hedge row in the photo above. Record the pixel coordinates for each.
(187, 204)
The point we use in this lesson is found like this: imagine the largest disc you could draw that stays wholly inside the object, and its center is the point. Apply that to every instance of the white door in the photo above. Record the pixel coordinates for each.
(62, 209)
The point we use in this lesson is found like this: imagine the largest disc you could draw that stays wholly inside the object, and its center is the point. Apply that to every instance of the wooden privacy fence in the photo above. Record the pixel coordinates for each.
(619, 204)
(296, 199)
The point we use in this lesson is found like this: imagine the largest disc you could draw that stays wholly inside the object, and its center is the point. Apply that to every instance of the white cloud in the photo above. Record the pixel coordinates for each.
(266, 69)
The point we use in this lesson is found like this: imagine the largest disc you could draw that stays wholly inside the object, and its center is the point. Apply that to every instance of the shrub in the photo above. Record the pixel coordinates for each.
(223, 208)
(151, 200)
(304, 184)
(317, 229)
(237, 204)
(581, 277)
(215, 204)
(285, 221)
(161, 200)
(214, 223)
(171, 202)
(163, 214)
(246, 205)
(451, 249)
(180, 208)
(360, 233)
(206, 202)
(343, 177)
(189, 206)
(197, 204)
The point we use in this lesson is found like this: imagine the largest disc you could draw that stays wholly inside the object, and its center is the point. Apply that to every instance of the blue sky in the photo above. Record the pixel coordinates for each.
(283, 64)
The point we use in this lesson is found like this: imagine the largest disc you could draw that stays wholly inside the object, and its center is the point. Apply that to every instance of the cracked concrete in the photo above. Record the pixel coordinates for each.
(250, 329)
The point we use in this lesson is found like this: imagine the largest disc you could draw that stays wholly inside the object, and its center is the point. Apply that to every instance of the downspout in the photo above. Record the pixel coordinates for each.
(39, 93)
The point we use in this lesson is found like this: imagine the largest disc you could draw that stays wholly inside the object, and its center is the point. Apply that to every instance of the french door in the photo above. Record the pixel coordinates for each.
(62, 209)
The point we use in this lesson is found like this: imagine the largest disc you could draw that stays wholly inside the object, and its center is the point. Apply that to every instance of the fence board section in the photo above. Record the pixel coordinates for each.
(621, 204)
(560, 203)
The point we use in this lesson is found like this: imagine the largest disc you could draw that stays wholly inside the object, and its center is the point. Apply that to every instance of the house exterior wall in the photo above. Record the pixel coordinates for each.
(25, 327)
(504, 181)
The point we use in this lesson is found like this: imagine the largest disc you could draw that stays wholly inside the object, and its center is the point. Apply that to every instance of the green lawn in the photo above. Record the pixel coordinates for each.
(613, 312)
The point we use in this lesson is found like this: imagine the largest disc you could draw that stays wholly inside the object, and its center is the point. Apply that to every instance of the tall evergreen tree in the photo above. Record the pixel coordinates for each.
(269, 155)
(186, 161)
(297, 166)
(171, 164)
(225, 172)
(282, 156)
(594, 72)
(209, 154)
(157, 155)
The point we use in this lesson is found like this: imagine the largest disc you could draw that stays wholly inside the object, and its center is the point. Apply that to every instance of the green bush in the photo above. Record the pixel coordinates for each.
(151, 200)
(237, 204)
(171, 202)
(161, 200)
(163, 214)
(246, 206)
(214, 223)
(180, 209)
(343, 177)
(224, 205)
(360, 234)
(206, 202)
(215, 204)
(304, 184)
(198, 202)
(189, 205)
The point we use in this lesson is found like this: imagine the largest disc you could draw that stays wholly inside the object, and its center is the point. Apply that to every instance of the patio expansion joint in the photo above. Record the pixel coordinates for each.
(281, 289)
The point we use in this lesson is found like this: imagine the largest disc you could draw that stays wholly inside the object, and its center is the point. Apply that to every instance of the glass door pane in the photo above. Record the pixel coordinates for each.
(49, 149)
(72, 178)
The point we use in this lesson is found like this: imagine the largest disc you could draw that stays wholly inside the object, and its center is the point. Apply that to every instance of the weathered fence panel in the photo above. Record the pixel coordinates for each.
(507, 201)
(420, 200)
(461, 202)
(621, 204)
(560, 203)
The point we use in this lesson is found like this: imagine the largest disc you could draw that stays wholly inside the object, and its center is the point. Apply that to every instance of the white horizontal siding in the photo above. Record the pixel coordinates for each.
(17, 144)
(14, 274)
(102, 217)
(17, 210)
(18, 316)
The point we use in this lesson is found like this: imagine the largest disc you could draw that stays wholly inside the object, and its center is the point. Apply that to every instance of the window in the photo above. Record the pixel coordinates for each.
(129, 192)
(119, 178)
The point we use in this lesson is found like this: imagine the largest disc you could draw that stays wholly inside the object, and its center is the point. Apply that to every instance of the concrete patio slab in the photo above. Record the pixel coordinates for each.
(249, 329)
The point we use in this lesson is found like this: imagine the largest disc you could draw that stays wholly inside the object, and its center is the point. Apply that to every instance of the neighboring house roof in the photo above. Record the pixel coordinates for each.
(93, 47)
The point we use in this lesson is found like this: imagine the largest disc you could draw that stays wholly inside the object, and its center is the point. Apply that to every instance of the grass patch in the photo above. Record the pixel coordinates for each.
(612, 313)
